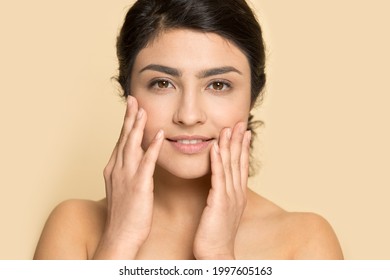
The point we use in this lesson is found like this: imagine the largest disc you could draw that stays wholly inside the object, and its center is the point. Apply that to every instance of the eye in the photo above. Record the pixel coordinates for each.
(161, 84)
(219, 86)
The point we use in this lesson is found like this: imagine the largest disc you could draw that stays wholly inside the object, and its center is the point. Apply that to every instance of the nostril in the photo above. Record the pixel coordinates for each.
(189, 112)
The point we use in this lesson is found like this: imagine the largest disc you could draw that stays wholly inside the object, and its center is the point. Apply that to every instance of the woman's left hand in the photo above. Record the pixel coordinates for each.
(226, 201)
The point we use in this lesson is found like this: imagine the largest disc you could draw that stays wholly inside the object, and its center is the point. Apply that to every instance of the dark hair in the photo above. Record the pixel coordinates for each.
(231, 19)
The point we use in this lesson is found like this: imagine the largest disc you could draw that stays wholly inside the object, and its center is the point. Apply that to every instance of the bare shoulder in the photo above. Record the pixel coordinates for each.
(289, 235)
(314, 237)
(72, 227)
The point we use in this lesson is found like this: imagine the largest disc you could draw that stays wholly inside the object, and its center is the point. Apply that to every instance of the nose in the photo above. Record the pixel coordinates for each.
(190, 111)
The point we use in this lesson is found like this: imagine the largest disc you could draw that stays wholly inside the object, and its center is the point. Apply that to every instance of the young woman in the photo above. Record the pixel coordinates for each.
(176, 183)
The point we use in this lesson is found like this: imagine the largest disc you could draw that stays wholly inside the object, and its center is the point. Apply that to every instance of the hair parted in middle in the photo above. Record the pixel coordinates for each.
(231, 19)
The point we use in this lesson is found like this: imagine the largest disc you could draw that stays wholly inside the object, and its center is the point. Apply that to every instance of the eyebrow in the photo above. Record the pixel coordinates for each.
(217, 71)
(163, 69)
(202, 74)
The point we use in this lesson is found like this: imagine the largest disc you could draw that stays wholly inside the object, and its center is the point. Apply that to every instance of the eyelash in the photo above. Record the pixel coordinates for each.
(226, 85)
(154, 84)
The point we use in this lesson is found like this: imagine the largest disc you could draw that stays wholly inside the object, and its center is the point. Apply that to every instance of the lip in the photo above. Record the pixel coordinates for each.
(190, 144)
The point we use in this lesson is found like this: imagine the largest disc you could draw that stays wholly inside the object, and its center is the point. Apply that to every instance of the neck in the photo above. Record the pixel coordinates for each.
(178, 197)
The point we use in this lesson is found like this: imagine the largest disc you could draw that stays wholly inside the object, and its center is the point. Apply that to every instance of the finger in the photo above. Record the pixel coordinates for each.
(110, 165)
(236, 149)
(132, 151)
(245, 155)
(217, 170)
(224, 145)
(149, 160)
(107, 172)
(130, 116)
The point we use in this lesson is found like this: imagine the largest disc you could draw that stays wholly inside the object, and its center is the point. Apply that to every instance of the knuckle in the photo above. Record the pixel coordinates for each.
(116, 174)
(227, 168)
(127, 148)
(225, 148)
(121, 138)
(107, 172)
(225, 204)
(239, 193)
(236, 163)
(244, 164)
(222, 176)
(134, 133)
(241, 202)
(147, 159)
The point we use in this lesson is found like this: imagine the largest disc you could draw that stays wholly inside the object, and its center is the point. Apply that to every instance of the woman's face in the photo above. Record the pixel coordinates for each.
(191, 85)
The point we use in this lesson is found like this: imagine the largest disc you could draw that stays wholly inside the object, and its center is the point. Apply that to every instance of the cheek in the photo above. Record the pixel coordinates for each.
(230, 115)
(150, 131)
(156, 118)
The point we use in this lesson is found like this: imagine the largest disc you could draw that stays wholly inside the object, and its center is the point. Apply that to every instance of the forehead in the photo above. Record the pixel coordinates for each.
(188, 49)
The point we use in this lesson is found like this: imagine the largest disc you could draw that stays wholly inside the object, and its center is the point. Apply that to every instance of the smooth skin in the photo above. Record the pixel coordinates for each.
(162, 203)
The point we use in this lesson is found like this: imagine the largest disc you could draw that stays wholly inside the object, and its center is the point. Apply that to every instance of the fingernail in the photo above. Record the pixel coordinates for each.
(216, 148)
(159, 134)
(140, 113)
(228, 133)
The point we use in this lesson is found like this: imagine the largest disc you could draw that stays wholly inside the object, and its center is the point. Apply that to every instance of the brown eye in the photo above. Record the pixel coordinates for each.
(163, 84)
(218, 85)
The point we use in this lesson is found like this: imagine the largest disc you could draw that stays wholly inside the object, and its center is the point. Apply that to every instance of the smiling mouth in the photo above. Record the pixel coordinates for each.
(193, 139)
(190, 145)
(189, 142)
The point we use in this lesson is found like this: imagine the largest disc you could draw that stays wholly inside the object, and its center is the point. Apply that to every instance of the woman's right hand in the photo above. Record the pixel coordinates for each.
(129, 188)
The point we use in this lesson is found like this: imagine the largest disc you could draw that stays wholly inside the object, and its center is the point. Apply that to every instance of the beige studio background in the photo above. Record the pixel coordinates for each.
(324, 148)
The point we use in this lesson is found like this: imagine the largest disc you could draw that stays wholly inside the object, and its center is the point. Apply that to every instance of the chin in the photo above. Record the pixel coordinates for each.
(185, 170)
(188, 175)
